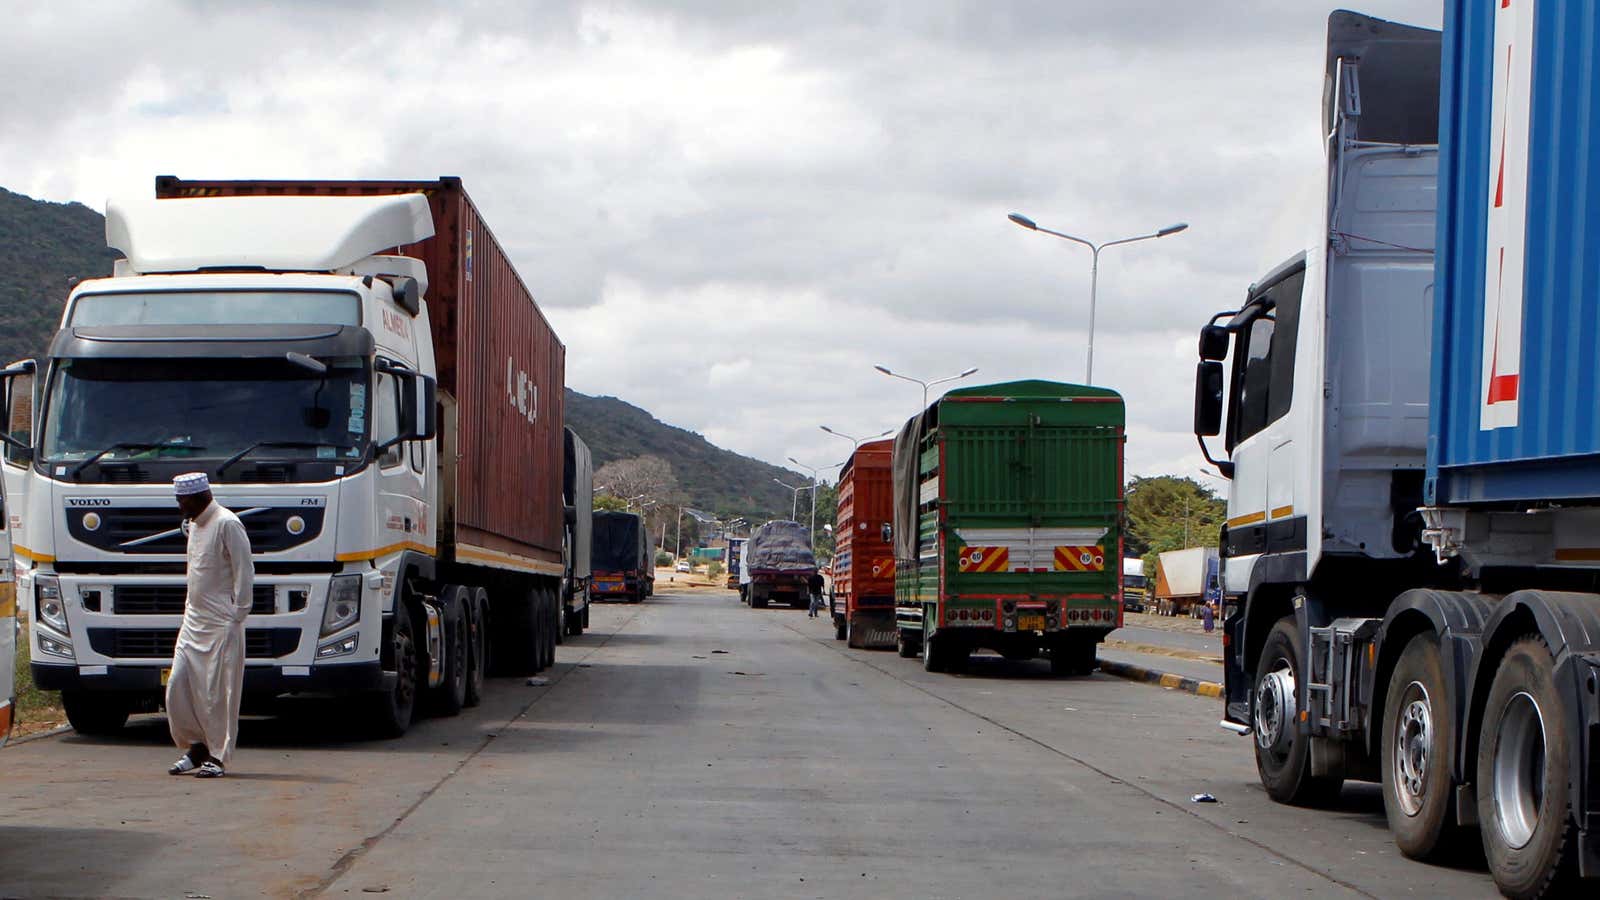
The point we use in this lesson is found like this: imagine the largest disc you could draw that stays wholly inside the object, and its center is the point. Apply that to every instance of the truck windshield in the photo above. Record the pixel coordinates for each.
(205, 409)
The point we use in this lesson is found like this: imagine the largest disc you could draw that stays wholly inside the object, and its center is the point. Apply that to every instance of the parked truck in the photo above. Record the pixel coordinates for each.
(621, 558)
(1007, 525)
(372, 389)
(779, 565)
(577, 494)
(734, 554)
(862, 598)
(1186, 580)
(1412, 550)
(10, 626)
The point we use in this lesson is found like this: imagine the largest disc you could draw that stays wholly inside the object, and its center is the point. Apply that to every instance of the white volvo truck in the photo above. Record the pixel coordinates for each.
(380, 406)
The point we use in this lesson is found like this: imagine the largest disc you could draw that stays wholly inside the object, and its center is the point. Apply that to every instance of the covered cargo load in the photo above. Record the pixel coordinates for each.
(501, 373)
(781, 546)
(1187, 579)
(619, 555)
(577, 489)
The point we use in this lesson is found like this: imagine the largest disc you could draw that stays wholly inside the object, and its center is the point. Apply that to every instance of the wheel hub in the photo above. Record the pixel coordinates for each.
(1275, 710)
(1519, 754)
(1413, 738)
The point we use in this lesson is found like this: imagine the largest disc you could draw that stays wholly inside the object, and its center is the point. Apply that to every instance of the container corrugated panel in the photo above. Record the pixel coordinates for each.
(495, 352)
(1549, 446)
(863, 560)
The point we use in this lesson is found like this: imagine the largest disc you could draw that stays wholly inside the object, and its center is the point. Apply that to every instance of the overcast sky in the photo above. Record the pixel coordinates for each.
(732, 210)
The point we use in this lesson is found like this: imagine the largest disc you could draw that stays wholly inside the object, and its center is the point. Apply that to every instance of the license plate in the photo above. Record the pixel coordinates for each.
(608, 586)
(1030, 623)
(166, 676)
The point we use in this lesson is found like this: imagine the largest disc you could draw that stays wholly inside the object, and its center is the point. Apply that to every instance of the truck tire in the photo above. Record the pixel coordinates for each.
(517, 630)
(904, 645)
(95, 714)
(1524, 807)
(477, 644)
(1073, 656)
(550, 618)
(389, 713)
(1418, 738)
(758, 599)
(841, 628)
(451, 695)
(561, 618)
(1283, 755)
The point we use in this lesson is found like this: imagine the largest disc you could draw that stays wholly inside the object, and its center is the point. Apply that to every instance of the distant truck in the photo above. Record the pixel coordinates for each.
(780, 565)
(577, 493)
(1186, 580)
(1134, 586)
(369, 385)
(734, 556)
(623, 567)
(862, 598)
(1007, 525)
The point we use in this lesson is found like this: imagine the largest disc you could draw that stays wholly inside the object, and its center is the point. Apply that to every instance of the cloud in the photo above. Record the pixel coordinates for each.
(731, 211)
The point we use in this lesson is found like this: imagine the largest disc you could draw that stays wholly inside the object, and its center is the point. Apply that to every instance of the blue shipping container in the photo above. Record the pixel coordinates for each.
(1516, 347)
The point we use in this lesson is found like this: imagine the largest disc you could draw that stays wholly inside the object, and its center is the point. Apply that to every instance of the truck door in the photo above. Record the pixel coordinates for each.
(1269, 456)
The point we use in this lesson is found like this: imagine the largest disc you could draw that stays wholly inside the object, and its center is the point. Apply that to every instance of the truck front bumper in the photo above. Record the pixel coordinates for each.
(350, 678)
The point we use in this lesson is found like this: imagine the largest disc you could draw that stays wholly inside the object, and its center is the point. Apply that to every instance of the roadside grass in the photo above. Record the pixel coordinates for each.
(36, 710)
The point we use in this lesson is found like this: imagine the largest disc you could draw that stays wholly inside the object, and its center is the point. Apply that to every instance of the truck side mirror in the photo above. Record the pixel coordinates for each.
(888, 532)
(1208, 398)
(1214, 343)
(427, 407)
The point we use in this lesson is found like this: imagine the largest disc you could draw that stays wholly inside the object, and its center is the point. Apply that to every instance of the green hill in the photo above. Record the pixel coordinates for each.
(46, 247)
(715, 479)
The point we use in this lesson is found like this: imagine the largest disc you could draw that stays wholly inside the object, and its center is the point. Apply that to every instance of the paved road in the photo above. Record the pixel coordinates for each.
(655, 766)
(1163, 637)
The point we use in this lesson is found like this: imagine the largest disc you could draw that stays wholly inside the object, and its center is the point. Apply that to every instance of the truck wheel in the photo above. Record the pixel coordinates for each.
(1283, 756)
(1073, 656)
(550, 619)
(451, 694)
(1524, 774)
(841, 628)
(517, 633)
(390, 712)
(904, 645)
(1418, 737)
(758, 600)
(933, 655)
(95, 714)
(562, 625)
(477, 644)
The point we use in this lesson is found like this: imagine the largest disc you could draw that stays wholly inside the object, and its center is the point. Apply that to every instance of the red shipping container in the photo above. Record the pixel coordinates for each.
(496, 355)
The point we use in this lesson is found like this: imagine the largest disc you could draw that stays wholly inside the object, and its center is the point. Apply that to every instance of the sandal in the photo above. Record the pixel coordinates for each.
(209, 769)
(183, 766)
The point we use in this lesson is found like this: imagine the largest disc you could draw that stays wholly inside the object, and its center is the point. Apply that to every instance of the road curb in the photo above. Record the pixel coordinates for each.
(1164, 679)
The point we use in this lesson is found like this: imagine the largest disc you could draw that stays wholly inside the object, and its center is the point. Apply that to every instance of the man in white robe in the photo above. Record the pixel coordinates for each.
(208, 662)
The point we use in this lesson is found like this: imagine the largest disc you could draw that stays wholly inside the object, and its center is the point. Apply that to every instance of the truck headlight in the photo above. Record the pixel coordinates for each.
(47, 602)
(344, 603)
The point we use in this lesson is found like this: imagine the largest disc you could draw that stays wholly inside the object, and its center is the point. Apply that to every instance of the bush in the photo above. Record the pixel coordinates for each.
(663, 559)
(713, 569)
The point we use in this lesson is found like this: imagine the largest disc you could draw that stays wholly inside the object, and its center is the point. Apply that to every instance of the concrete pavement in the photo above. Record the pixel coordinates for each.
(655, 766)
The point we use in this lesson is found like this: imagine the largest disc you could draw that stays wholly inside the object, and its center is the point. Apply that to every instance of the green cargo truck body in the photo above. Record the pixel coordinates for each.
(1007, 525)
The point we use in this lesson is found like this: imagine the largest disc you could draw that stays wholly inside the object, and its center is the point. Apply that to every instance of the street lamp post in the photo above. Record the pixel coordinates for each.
(1094, 266)
(926, 384)
(794, 500)
(856, 442)
(813, 471)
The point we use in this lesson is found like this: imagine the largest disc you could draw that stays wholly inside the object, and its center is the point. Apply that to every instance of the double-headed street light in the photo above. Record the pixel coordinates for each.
(1094, 267)
(813, 470)
(926, 384)
(855, 441)
(794, 500)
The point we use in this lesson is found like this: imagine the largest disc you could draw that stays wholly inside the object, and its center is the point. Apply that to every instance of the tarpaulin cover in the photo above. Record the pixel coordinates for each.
(780, 546)
(907, 484)
(578, 491)
(617, 542)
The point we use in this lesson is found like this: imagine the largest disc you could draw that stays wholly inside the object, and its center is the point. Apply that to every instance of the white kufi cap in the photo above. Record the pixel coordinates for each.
(191, 483)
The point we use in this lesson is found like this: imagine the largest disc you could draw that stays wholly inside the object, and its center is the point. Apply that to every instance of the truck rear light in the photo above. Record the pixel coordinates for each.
(988, 615)
(1072, 615)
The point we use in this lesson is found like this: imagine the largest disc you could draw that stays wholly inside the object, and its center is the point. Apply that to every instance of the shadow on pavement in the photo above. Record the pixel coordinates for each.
(43, 861)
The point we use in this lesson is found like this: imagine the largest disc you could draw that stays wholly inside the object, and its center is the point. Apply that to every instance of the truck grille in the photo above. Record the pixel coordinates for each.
(167, 599)
(157, 643)
(148, 530)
